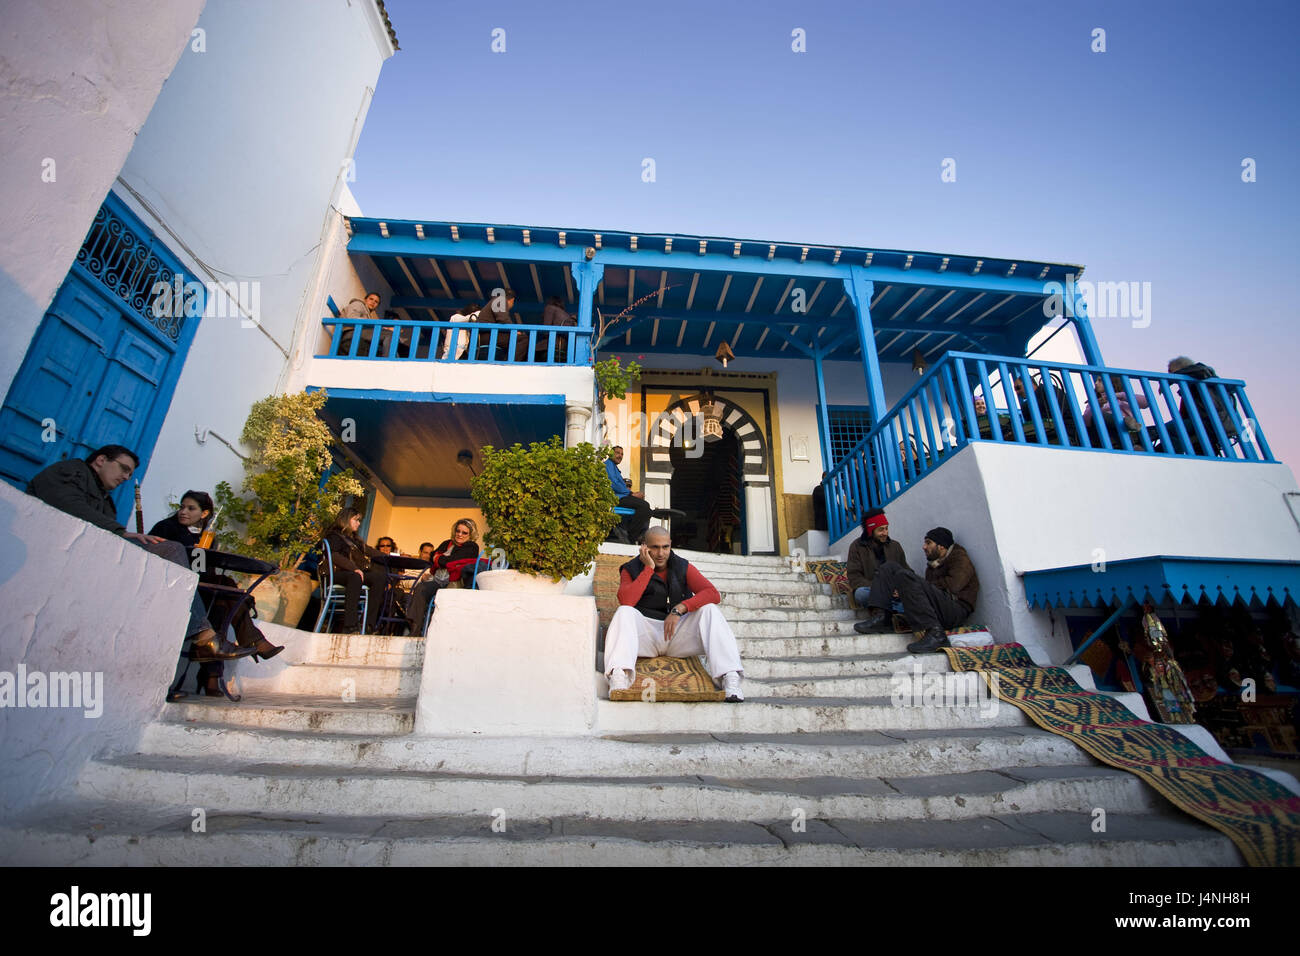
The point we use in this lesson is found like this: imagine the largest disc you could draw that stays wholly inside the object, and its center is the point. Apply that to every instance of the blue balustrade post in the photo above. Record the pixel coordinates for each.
(860, 290)
(1078, 313)
(1256, 434)
(587, 275)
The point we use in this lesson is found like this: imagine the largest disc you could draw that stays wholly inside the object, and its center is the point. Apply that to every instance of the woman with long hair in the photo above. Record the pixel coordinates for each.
(353, 568)
(186, 526)
(450, 557)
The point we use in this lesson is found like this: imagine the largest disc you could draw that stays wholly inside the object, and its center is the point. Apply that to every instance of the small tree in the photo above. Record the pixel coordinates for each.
(548, 507)
(290, 509)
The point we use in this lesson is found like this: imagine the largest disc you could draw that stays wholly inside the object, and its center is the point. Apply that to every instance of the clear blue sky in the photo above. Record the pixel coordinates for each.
(1127, 162)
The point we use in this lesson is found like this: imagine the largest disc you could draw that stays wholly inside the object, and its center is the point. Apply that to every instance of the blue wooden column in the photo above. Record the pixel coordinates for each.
(824, 424)
(587, 275)
(1083, 328)
(860, 289)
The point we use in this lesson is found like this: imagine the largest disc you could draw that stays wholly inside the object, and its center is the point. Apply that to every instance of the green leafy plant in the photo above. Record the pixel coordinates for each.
(613, 378)
(284, 508)
(548, 507)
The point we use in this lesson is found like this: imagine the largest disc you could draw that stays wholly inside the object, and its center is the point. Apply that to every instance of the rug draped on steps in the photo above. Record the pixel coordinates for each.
(1260, 815)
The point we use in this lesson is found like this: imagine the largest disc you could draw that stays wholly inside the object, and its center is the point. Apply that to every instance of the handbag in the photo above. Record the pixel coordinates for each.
(442, 577)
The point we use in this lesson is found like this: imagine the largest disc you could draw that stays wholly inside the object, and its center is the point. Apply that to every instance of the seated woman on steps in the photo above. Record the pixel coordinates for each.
(185, 526)
(352, 569)
(449, 558)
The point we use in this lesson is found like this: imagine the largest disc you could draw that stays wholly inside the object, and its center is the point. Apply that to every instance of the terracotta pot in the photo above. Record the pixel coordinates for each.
(282, 598)
(508, 579)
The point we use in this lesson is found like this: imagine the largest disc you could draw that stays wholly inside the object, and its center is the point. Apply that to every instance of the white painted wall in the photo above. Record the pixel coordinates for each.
(452, 378)
(237, 169)
(79, 80)
(78, 598)
(1017, 509)
(500, 663)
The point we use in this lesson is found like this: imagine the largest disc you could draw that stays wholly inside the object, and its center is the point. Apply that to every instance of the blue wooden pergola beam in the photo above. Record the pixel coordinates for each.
(683, 260)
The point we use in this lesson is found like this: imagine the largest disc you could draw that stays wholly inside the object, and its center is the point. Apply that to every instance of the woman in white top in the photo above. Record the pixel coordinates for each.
(460, 339)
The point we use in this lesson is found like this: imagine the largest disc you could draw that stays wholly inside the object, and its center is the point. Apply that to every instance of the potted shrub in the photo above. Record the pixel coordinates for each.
(547, 507)
(286, 508)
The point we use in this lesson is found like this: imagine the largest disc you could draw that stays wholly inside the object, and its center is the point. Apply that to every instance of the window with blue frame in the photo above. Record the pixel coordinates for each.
(848, 425)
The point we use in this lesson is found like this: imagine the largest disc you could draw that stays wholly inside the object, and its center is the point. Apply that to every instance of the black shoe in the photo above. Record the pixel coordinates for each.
(208, 650)
(932, 641)
(878, 623)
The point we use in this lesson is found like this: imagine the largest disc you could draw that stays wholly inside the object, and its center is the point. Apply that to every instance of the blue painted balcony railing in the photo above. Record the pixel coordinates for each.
(396, 340)
(967, 398)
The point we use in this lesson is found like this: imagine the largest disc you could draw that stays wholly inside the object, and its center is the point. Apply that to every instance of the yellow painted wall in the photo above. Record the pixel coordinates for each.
(411, 525)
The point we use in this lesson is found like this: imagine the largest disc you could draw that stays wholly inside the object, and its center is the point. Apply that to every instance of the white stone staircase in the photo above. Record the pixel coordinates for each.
(816, 767)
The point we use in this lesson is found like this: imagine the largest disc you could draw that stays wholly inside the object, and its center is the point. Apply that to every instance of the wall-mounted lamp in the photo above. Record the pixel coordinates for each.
(466, 457)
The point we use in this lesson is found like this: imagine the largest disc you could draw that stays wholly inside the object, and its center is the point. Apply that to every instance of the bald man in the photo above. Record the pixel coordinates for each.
(668, 608)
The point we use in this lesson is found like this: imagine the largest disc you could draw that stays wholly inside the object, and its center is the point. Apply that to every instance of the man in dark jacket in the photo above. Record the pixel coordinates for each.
(1189, 403)
(83, 490)
(868, 553)
(944, 599)
(668, 608)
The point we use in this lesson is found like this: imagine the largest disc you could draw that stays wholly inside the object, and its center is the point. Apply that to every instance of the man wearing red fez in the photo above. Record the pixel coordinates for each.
(868, 553)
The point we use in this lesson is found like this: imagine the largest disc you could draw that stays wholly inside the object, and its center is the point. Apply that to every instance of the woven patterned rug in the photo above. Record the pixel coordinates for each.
(1260, 815)
(670, 679)
(834, 573)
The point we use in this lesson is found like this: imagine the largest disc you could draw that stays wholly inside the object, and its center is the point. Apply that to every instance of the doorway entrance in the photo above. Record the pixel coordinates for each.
(708, 489)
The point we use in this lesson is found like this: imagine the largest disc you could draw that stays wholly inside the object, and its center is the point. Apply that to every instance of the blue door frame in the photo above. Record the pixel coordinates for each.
(102, 367)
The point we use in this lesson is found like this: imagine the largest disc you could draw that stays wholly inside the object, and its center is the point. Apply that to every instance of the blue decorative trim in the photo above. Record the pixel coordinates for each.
(1163, 579)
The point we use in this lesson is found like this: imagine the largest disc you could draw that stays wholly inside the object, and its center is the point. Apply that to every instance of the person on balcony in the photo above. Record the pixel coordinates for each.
(1189, 406)
(555, 315)
(353, 568)
(184, 527)
(636, 523)
(82, 488)
(943, 600)
(667, 607)
(1103, 407)
(458, 341)
(367, 308)
(497, 311)
(446, 565)
(867, 554)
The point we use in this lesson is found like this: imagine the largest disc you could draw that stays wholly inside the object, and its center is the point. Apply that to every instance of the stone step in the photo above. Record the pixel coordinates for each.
(330, 680)
(753, 614)
(803, 668)
(965, 687)
(738, 600)
(827, 646)
(816, 626)
(300, 712)
(795, 714)
(897, 753)
(789, 585)
(134, 836)
(226, 786)
(360, 649)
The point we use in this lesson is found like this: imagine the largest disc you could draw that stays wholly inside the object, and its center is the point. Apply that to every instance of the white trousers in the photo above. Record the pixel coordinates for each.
(705, 631)
(458, 341)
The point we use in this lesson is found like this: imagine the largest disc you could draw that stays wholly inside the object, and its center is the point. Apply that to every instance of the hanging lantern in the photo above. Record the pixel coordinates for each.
(724, 354)
(710, 419)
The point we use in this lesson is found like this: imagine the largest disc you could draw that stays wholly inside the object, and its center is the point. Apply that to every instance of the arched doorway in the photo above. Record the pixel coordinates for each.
(677, 425)
(708, 488)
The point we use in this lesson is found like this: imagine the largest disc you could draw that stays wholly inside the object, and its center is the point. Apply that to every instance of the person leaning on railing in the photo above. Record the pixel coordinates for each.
(352, 569)
(82, 488)
(1188, 407)
(366, 308)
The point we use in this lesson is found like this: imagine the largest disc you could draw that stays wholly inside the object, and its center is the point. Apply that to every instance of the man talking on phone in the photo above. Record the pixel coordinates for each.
(668, 608)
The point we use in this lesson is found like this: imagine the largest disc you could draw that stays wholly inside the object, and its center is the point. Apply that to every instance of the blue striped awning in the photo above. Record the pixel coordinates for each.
(1163, 580)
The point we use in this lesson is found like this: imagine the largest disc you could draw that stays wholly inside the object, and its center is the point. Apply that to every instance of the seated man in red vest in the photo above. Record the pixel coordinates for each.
(670, 609)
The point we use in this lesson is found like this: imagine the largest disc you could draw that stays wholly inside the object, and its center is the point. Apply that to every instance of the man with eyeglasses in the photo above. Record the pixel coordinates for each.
(83, 489)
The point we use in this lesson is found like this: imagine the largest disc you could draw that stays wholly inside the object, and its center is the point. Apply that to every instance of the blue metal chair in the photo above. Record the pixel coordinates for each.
(333, 597)
(618, 533)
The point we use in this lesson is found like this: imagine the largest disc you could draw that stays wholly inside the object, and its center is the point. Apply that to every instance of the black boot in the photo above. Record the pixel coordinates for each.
(878, 623)
(932, 641)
